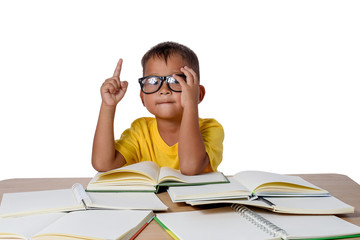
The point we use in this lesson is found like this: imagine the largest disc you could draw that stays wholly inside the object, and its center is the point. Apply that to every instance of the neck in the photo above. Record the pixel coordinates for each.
(168, 130)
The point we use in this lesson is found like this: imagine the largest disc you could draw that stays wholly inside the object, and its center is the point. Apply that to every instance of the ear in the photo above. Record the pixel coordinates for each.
(202, 93)
(142, 97)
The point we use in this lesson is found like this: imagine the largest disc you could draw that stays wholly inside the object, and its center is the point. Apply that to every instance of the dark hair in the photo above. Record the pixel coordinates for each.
(166, 49)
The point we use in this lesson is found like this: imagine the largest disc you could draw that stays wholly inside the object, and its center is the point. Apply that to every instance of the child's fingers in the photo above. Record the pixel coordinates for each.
(191, 77)
(193, 73)
(110, 86)
(124, 85)
(181, 80)
(118, 68)
(114, 81)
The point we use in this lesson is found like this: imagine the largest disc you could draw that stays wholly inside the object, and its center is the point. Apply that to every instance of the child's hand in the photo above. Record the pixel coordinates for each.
(113, 90)
(190, 88)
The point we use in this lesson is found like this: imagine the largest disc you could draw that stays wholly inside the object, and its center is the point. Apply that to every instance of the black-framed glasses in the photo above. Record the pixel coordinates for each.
(152, 84)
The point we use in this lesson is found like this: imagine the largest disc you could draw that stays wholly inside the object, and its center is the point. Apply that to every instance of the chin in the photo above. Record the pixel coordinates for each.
(169, 116)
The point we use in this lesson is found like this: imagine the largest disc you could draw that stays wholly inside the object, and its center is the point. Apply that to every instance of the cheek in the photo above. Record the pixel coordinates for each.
(178, 97)
(142, 97)
(147, 100)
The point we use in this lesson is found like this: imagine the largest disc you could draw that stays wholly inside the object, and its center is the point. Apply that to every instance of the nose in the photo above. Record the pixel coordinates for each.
(164, 89)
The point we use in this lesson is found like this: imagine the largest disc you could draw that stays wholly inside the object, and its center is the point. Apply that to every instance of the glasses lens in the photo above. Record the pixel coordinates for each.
(173, 84)
(150, 84)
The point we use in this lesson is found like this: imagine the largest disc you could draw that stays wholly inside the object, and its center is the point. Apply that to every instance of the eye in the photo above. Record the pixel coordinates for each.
(152, 81)
(172, 80)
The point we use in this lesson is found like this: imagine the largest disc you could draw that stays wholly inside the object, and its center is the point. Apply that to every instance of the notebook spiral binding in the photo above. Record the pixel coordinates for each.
(259, 221)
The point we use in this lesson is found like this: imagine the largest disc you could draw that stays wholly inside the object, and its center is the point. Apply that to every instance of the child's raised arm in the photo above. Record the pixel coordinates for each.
(104, 155)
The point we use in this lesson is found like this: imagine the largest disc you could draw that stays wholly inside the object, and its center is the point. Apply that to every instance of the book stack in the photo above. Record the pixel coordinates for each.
(300, 209)
(271, 191)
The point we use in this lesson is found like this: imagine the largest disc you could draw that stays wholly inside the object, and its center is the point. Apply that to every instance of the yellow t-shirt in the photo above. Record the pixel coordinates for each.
(142, 142)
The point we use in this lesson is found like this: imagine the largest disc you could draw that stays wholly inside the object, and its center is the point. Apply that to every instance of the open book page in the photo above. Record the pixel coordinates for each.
(293, 205)
(102, 224)
(27, 226)
(218, 223)
(266, 183)
(310, 205)
(209, 191)
(306, 227)
(118, 187)
(126, 200)
(143, 172)
(24, 203)
(168, 175)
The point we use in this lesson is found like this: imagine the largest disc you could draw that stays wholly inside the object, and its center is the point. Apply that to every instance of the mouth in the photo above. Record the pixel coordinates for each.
(165, 102)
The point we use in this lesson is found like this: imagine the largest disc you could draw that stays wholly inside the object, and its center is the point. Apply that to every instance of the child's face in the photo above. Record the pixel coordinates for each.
(164, 103)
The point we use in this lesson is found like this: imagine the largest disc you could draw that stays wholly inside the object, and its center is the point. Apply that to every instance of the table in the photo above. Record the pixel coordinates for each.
(340, 186)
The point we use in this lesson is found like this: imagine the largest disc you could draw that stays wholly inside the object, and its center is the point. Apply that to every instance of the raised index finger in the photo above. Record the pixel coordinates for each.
(118, 68)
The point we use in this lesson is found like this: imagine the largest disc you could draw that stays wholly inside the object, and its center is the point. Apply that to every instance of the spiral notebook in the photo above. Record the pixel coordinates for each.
(240, 222)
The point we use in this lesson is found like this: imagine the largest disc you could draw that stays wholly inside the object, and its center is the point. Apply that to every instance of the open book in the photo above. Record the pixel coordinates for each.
(236, 192)
(147, 176)
(94, 224)
(273, 184)
(233, 189)
(249, 183)
(243, 223)
(26, 203)
(293, 205)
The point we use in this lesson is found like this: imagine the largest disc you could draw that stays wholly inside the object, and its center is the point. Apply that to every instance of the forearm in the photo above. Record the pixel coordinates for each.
(192, 153)
(103, 154)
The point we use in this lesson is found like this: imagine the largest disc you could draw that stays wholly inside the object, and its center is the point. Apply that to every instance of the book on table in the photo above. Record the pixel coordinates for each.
(250, 183)
(285, 201)
(94, 224)
(292, 205)
(262, 183)
(148, 176)
(239, 222)
(27, 203)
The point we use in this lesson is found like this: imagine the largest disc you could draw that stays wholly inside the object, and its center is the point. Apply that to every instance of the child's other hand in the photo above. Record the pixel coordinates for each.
(190, 88)
(113, 90)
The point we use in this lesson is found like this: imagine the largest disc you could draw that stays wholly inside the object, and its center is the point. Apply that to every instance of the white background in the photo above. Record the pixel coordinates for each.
(282, 77)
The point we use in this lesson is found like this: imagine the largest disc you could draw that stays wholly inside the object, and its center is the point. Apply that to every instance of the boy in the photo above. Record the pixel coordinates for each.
(176, 137)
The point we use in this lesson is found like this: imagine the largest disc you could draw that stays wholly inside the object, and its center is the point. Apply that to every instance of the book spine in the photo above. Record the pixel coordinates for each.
(141, 229)
(166, 229)
(260, 221)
